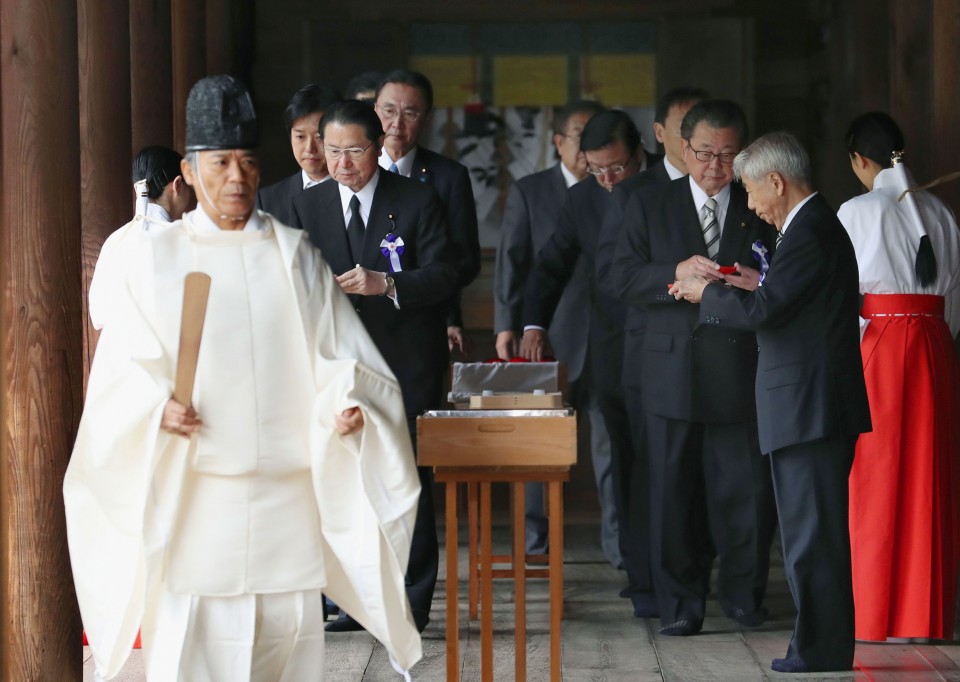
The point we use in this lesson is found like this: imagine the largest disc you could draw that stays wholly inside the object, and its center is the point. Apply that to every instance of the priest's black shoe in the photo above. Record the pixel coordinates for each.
(789, 665)
(681, 628)
(343, 624)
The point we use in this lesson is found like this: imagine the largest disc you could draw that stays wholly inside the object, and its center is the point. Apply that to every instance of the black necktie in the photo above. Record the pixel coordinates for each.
(355, 230)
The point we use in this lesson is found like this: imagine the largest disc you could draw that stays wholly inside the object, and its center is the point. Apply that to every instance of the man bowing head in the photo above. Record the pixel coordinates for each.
(810, 392)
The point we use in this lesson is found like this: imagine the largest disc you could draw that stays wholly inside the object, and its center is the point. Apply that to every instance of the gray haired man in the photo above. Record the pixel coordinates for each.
(810, 392)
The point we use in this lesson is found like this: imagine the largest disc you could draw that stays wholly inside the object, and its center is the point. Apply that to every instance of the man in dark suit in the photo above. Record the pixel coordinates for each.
(302, 117)
(810, 393)
(669, 113)
(404, 102)
(530, 217)
(700, 416)
(385, 236)
(611, 143)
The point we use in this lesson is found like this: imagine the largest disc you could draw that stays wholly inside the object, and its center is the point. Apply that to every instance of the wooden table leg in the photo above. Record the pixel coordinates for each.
(453, 623)
(472, 520)
(486, 585)
(519, 582)
(556, 575)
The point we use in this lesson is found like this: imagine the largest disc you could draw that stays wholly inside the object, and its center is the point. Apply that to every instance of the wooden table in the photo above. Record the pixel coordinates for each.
(480, 448)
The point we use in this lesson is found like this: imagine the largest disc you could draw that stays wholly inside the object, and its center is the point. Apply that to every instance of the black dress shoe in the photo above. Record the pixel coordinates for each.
(343, 624)
(681, 628)
(789, 665)
(644, 606)
(749, 619)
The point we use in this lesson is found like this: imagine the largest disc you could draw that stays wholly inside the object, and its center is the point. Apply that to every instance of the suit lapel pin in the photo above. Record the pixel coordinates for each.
(424, 175)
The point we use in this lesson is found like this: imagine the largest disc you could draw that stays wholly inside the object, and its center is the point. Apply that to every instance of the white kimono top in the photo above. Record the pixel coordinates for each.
(267, 497)
(886, 234)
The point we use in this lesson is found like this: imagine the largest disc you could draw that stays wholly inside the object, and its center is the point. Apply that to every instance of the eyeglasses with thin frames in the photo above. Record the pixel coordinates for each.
(353, 152)
(612, 170)
(390, 113)
(708, 157)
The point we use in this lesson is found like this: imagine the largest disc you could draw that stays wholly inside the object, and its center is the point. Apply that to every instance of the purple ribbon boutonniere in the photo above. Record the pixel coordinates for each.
(392, 248)
(760, 255)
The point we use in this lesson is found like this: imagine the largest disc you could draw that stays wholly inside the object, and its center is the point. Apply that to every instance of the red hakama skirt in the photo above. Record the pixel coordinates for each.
(904, 513)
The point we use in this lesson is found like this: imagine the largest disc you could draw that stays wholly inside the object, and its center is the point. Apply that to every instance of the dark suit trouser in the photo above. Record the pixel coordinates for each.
(810, 483)
(636, 500)
(537, 525)
(715, 469)
(610, 398)
(424, 564)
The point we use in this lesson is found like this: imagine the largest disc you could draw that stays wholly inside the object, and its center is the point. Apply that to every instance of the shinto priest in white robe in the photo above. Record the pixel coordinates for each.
(267, 498)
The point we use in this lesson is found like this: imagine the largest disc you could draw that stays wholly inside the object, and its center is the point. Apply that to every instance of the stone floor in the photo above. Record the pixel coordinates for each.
(603, 642)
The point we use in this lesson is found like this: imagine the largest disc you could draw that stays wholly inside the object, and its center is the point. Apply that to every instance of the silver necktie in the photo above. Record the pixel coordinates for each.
(711, 228)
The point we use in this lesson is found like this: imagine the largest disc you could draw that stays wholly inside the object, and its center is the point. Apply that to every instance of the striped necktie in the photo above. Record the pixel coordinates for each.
(711, 228)
(779, 238)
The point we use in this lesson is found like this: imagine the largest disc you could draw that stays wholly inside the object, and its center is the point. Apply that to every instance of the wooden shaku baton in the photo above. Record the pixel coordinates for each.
(196, 289)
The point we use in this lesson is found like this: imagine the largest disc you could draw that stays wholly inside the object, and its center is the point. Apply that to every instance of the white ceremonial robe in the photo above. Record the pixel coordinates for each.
(101, 285)
(884, 235)
(267, 498)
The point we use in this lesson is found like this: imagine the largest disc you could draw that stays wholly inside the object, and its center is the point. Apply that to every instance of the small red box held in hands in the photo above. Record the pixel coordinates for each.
(728, 269)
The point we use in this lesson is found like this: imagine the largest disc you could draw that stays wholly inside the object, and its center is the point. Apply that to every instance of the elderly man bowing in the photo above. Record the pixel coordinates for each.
(217, 523)
(811, 397)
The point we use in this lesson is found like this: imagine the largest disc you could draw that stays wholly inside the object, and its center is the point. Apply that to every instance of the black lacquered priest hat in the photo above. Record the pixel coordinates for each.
(220, 115)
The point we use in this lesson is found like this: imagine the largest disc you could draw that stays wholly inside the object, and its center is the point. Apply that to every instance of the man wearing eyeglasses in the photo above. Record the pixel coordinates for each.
(670, 110)
(697, 381)
(404, 103)
(530, 216)
(611, 147)
(385, 236)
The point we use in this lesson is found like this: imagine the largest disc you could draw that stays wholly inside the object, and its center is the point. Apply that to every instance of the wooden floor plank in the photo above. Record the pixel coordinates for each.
(603, 642)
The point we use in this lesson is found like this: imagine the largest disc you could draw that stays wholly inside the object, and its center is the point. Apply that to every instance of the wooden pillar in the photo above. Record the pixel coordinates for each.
(41, 339)
(945, 97)
(220, 35)
(151, 79)
(106, 191)
(189, 58)
(231, 37)
(858, 72)
(923, 91)
(911, 80)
